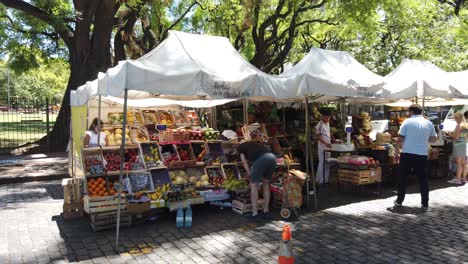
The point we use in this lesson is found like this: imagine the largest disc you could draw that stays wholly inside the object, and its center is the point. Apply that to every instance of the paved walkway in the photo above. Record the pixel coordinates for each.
(32, 231)
(37, 167)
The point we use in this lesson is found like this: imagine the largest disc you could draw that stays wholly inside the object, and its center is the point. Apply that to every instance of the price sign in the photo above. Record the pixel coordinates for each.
(349, 129)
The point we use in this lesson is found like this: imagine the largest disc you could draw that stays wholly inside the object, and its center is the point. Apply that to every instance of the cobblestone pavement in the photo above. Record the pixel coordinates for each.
(32, 231)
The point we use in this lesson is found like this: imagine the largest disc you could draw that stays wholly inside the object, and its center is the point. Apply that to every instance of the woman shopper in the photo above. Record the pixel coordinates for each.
(459, 147)
(263, 162)
(91, 137)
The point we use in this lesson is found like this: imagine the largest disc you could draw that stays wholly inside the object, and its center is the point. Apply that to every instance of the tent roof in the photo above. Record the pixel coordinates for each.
(336, 73)
(194, 66)
(335, 66)
(402, 82)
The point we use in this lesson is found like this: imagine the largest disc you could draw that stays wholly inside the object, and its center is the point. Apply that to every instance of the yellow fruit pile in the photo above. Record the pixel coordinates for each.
(159, 191)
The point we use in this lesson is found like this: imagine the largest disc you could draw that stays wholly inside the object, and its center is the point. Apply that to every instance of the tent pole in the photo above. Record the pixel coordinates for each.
(246, 111)
(284, 117)
(122, 156)
(99, 121)
(309, 159)
(307, 150)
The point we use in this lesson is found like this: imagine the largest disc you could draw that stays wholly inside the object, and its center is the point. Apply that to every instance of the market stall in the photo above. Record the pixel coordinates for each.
(185, 69)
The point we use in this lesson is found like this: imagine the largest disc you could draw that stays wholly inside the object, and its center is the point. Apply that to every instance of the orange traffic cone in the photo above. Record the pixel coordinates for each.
(286, 256)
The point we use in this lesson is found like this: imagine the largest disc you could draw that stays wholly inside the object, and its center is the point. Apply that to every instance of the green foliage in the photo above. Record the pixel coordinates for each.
(48, 80)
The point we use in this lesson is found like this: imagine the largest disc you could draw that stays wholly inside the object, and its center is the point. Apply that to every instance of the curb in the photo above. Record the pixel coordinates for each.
(22, 179)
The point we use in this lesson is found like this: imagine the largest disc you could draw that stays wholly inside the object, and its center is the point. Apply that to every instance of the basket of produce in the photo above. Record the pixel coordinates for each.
(140, 181)
(98, 187)
(151, 154)
(180, 119)
(115, 118)
(215, 176)
(197, 135)
(133, 161)
(112, 158)
(115, 138)
(165, 118)
(192, 118)
(199, 150)
(93, 161)
(184, 149)
(138, 134)
(134, 117)
(150, 117)
(230, 171)
(210, 134)
(153, 134)
(168, 153)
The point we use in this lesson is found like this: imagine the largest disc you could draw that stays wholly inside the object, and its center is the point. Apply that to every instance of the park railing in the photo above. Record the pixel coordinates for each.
(24, 121)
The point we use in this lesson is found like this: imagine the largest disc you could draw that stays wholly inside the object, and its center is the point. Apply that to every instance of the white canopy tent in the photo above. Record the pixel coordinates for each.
(459, 81)
(336, 74)
(414, 78)
(191, 67)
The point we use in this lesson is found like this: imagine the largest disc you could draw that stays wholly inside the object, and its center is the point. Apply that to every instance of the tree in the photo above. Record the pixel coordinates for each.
(456, 4)
(264, 31)
(82, 31)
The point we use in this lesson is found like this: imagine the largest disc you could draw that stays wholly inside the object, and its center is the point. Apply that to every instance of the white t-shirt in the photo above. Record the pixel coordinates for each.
(323, 130)
(93, 138)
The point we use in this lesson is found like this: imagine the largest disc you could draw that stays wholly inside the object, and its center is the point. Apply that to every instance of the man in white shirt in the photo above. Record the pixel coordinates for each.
(324, 143)
(413, 138)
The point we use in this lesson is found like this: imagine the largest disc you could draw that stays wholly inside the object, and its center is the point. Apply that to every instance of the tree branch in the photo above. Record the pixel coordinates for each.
(63, 30)
(164, 34)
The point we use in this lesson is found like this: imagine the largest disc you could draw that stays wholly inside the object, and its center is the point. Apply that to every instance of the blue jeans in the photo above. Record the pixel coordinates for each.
(263, 168)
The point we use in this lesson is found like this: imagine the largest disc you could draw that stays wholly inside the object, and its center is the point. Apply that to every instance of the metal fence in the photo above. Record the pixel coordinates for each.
(24, 121)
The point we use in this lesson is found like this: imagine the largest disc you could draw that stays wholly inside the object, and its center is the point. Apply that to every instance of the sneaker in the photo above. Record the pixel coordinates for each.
(267, 215)
(455, 181)
(397, 204)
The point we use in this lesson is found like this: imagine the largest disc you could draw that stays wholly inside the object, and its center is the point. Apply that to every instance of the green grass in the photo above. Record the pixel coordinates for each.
(18, 129)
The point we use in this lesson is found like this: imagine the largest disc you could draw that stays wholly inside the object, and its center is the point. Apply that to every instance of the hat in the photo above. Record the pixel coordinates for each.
(299, 174)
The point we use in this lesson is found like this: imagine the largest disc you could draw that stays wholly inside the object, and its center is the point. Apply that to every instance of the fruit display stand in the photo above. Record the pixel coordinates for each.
(150, 154)
(103, 204)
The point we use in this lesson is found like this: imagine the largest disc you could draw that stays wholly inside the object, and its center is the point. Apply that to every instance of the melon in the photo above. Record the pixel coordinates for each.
(204, 178)
(193, 179)
(172, 175)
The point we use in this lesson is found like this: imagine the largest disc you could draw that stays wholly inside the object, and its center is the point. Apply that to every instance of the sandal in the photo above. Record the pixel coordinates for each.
(455, 181)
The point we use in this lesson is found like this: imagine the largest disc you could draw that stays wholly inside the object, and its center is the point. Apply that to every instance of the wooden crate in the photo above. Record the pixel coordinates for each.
(376, 174)
(71, 190)
(72, 210)
(243, 208)
(354, 176)
(103, 204)
(108, 220)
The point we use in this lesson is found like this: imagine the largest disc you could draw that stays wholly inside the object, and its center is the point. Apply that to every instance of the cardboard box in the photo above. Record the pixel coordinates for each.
(138, 208)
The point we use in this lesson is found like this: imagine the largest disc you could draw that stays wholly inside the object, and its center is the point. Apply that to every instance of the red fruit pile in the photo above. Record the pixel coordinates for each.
(183, 153)
(113, 161)
(216, 181)
(131, 157)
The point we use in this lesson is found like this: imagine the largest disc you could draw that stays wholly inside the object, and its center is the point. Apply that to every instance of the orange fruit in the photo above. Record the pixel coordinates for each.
(106, 194)
(91, 181)
(101, 193)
